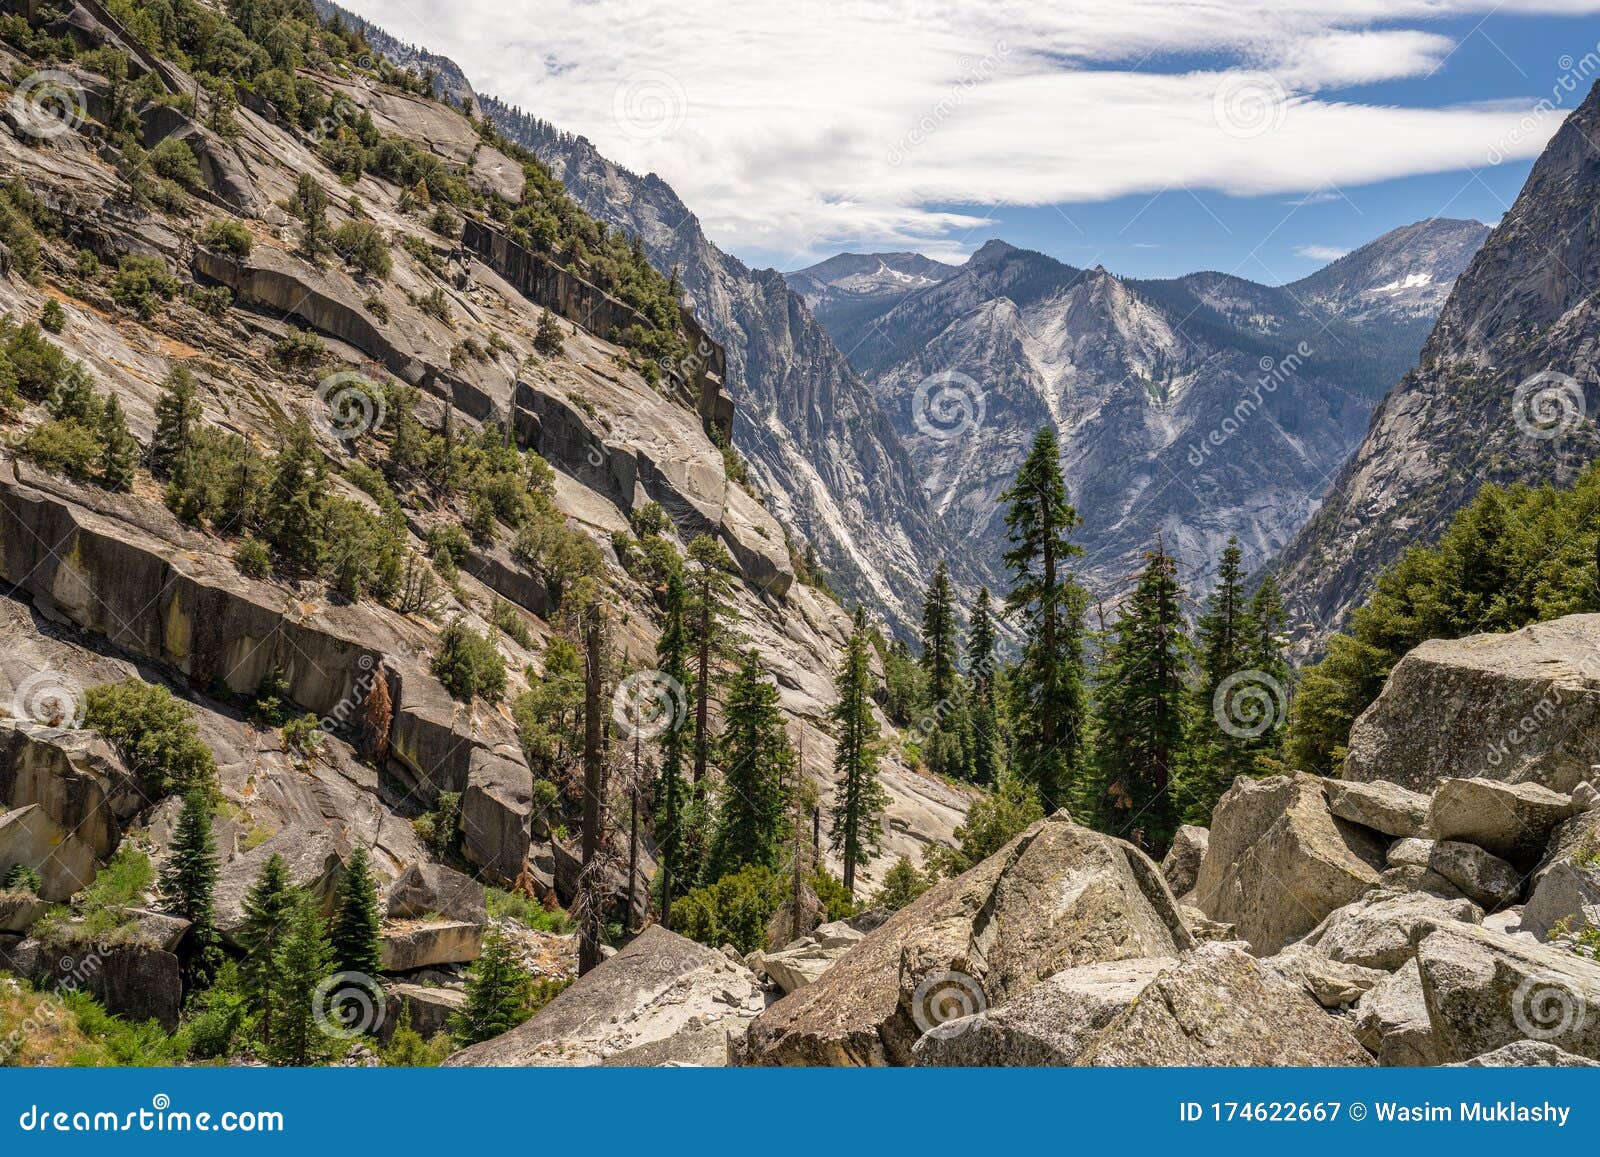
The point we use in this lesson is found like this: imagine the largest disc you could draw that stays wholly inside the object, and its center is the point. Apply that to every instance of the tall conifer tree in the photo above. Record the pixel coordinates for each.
(859, 798)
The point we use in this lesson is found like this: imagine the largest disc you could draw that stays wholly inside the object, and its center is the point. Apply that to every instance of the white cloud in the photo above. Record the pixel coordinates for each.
(1321, 252)
(797, 128)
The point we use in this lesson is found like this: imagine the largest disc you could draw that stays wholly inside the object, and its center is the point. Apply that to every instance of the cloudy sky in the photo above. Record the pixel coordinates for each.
(1152, 136)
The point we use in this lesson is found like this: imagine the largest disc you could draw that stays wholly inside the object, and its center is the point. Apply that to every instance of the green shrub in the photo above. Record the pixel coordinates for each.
(734, 910)
(527, 912)
(65, 446)
(52, 318)
(142, 284)
(175, 160)
(469, 665)
(225, 235)
(299, 349)
(504, 616)
(436, 304)
(363, 245)
(100, 911)
(22, 878)
(253, 558)
(152, 731)
(302, 735)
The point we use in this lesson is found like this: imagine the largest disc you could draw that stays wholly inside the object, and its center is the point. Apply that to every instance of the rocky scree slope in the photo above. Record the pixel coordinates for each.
(1192, 409)
(104, 585)
(1407, 915)
(1475, 409)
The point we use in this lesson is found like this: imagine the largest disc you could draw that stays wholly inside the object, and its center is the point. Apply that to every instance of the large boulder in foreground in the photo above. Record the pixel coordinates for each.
(661, 1000)
(1511, 820)
(1485, 989)
(1279, 861)
(1379, 805)
(1058, 896)
(1391, 1020)
(1522, 707)
(1528, 1054)
(1216, 1006)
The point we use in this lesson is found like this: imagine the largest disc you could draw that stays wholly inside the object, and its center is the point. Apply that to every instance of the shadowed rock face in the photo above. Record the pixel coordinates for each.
(662, 999)
(1524, 306)
(1057, 896)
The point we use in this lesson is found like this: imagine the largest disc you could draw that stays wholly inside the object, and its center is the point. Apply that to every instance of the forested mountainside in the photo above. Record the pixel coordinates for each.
(355, 483)
(815, 436)
(1196, 409)
(1504, 391)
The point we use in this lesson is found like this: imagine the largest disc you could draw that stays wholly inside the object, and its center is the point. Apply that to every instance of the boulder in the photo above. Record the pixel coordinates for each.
(1565, 894)
(434, 890)
(495, 813)
(1278, 861)
(1483, 878)
(136, 981)
(1050, 1024)
(1381, 929)
(803, 961)
(430, 1008)
(1332, 983)
(411, 944)
(1203, 928)
(1522, 707)
(18, 911)
(1057, 896)
(1182, 862)
(661, 1000)
(1528, 1054)
(66, 864)
(1485, 990)
(74, 777)
(1513, 821)
(1410, 853)
(1391, 1020)
(313, 862)
(156, 928)
(1382, 806)
(1220, 1006)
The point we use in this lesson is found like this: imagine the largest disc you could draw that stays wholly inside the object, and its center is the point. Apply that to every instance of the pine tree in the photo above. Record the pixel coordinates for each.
(756, 763)
(189, 882)
(548, 339)
(496, 997)
(1222, 637)
(1051, 701)
(859, 798)
(178, 416)
(301, 963)
(294, 501)
(119, 450)
(268, 907)
(355, 940)
(310, 204)
(939, 637)
(709, 576)
(592, 904)
(1144, 709)
(672, 659)
(1221, 633)
(1263, 647)
(986, 758)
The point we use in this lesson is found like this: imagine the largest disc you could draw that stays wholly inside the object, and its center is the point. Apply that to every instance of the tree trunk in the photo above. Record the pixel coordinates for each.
(593, 780)
(702, 709)
(633, 841)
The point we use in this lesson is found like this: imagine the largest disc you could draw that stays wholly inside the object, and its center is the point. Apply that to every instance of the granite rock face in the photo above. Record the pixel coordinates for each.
(1278, 861)
(661, 1000)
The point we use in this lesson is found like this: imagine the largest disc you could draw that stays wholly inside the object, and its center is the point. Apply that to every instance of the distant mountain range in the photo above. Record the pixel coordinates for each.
(1189, 409)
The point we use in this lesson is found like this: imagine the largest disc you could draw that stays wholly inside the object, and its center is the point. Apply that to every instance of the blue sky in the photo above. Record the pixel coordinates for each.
(1282, 237)
(1155, 137)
